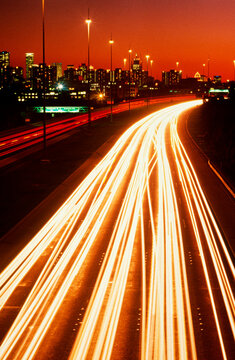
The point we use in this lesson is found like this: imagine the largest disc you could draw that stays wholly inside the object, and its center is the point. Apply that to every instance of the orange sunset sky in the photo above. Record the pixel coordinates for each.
(188, 31)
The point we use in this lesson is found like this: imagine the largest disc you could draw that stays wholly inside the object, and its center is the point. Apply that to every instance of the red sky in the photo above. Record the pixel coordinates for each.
(188, 31)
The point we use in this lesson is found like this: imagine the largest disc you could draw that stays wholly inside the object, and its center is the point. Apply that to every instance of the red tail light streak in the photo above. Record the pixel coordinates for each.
(21, 140)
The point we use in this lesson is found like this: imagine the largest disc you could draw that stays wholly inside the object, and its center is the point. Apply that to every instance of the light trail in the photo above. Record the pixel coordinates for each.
(124, 183)
(212, 233)
(34, 136)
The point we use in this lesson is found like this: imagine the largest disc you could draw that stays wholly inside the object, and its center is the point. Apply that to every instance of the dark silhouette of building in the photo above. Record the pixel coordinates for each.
(171, 78)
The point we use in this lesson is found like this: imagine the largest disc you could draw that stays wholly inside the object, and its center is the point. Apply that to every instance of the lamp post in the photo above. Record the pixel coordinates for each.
(177, 64)
(44, 76)
(208, 69)
(147, 58)
(124, 63)
(203, 71)
(151, 63)
(111, 78)
(88, 22)
(234, 70)
(130, 51)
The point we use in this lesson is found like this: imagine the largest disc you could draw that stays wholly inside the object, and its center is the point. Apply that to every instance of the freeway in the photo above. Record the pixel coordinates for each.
(134, 265)
(23, 139)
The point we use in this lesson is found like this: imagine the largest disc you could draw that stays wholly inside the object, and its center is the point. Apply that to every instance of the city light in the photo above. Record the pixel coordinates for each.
(88, 22)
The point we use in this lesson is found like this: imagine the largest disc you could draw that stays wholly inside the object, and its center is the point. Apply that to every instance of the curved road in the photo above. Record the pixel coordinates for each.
(135, 264)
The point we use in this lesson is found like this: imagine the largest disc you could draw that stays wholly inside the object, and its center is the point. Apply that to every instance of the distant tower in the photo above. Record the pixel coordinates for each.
(4, 58)
(59, 72)
(29, 63)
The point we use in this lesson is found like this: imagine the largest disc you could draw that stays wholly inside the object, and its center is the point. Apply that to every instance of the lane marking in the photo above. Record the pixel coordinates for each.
(221, 179)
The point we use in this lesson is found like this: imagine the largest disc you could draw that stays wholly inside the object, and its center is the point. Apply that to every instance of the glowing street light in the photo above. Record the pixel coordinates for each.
(129, 51)
(204, 65)
(177, 64)
(44, 77)
(147, 58)
(208, 69)
(111, 78)
(124, 62)
(88, 22)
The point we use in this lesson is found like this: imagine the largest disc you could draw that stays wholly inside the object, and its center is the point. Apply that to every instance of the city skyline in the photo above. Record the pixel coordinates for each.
(199, 32)
(203, 74)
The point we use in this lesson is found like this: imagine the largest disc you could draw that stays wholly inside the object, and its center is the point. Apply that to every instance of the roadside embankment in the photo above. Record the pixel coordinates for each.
(212, 126)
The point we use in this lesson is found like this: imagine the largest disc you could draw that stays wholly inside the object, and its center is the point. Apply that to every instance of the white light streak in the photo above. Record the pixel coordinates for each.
(138, 160)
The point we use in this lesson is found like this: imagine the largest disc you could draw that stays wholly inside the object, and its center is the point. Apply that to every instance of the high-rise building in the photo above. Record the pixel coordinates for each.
(4, 58)
(17, 73)
(70, 73)
(59, 72)
(82, 72)
(101, 78)
(217, 79)
(171, 77)
(29, 63)
(117, 75)
(35, 77)
(136, 65)
(51, 75)
(137, 73)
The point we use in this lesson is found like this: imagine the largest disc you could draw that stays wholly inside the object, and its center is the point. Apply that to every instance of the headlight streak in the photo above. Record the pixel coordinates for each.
(113, 308)
(166, 328)
(14, 272)
(120, 242)
(103, 349)
(50, 282)
(168, 268)
(190, 182)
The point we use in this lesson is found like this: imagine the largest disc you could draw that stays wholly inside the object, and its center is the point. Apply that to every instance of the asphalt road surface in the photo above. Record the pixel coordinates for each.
(136, 264)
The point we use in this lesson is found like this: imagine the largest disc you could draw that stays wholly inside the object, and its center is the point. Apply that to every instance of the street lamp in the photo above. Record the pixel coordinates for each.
(234, 69)
(203, 71)
(130, 51)
(124, 62)
(88, 22)
(208, 69)
(147, 58)
(111, 78)
(44, 76)
(177, 64)
(151, 63)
